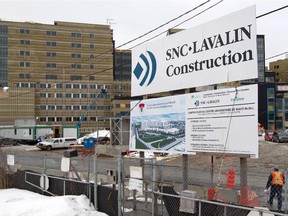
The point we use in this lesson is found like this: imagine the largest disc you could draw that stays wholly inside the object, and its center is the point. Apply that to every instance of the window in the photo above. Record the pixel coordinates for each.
(76, 34)
(24, 53)
(42, 95)
(91, 46)
(76, 86)
(93, 118)
(24, 31)
(76, 95)
(24, 85)
(77, 107)
(58, 119)
(91, 56)
(58, 107)
(93, 86)
(76, 66)
(51, 33)
(68, 119)
(51, 119)
(68, 107)
(91, 35)
(76, 77)
(51, 65)
(84, 86)
(76, 118)
(68, 86)
(51, 76)
(24, 64)
(42, 119)
(91, 66)
(68, 95)
(75, 55)
(51, 43)
(24, 42)
(42, 107)
(76, 45)
(84, 95)
(91, 77)
(59, 85)
(33, 85)
(51, 107)
(51, 54)
(24, 76)
(58, 95)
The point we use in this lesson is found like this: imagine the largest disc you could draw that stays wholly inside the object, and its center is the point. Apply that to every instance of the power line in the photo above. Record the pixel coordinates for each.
(179, 24)
(108, 51)
(276, 55)
(270, 12)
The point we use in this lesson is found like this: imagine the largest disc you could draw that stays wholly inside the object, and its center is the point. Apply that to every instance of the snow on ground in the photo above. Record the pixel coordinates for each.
(18, 202)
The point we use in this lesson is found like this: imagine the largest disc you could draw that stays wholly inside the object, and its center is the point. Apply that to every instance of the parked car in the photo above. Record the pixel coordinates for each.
(52, 143)
(268, 135)
(280, 136)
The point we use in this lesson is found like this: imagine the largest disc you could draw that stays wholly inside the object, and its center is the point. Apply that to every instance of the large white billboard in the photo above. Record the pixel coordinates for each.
(221, 121)
(219, 51)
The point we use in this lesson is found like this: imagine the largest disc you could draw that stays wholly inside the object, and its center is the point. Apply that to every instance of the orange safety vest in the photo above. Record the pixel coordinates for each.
(277, 178)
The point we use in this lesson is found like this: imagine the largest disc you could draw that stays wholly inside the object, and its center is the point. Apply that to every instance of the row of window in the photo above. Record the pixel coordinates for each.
(68, 119)
(54, 65)
(69, 85)
(54, 43)
(74, 95)
(74, 107)
(60, 85)
(54, 33)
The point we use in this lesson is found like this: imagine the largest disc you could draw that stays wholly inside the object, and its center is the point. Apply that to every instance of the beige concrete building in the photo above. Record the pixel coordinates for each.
(54, 73)
(280, 67)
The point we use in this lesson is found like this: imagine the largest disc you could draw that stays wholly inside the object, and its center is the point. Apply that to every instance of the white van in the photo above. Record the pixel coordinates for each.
(52, 143)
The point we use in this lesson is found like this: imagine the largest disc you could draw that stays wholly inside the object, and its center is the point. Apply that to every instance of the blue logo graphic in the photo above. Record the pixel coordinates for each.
(150, 69)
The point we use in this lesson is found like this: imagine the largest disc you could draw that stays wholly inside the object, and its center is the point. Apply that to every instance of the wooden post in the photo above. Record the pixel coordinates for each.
(185, 163)
(243, 180)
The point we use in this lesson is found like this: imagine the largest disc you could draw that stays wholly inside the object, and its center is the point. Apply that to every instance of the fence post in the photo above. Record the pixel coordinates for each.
(199, 208)
(119, 185)
(95, 183)
(154, 196)
(285, 192)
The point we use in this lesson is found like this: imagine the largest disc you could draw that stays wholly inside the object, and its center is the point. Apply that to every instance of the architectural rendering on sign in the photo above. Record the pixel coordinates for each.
(209, 122)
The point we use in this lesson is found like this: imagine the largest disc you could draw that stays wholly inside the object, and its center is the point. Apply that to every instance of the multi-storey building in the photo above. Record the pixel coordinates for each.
(55, 71)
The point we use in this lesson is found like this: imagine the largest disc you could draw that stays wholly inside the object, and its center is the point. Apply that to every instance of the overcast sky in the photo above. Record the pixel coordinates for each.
(130, 19)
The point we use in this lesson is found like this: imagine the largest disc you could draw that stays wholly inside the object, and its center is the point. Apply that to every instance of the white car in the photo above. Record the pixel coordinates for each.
(53, 143)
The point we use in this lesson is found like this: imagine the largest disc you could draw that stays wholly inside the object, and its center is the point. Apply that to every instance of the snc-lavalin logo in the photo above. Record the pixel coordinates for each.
(145, 76)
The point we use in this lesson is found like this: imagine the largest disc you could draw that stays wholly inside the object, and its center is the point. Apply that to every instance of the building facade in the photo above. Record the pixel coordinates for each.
(55, 73)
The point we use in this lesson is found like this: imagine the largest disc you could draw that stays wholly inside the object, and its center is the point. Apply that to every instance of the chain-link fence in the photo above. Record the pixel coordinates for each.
(127, 185)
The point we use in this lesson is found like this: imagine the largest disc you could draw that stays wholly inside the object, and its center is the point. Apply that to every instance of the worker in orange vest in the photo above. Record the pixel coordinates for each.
(276, 182)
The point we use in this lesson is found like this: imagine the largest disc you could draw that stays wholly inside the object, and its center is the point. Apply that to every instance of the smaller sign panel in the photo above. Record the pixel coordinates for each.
(135, 172)
(65, 164)
(10, 160)
(212, 122)
(44, 182)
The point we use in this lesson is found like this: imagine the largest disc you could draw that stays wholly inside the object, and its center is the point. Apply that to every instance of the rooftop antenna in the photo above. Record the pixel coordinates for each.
(109, 22)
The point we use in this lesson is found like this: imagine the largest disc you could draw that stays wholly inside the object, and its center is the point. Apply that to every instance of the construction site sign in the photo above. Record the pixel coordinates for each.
(211, 122)
(219, 51)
